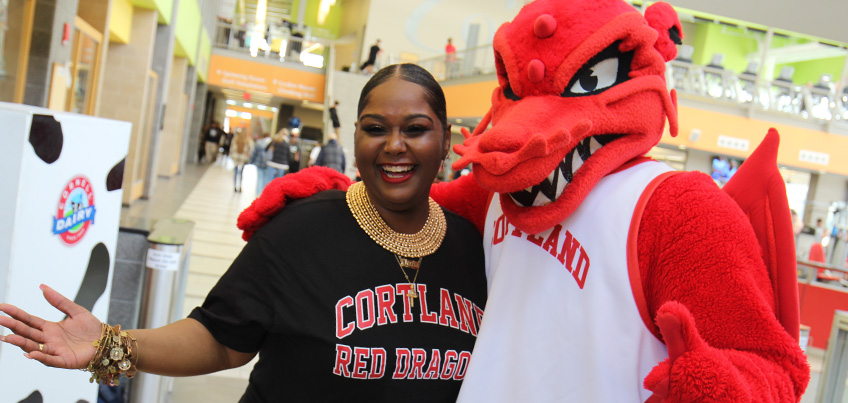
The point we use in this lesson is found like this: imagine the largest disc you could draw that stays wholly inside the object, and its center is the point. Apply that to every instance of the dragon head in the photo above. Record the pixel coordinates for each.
(581, 92)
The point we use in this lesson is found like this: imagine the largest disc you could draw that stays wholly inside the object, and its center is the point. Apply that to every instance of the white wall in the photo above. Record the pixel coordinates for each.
(423, 26)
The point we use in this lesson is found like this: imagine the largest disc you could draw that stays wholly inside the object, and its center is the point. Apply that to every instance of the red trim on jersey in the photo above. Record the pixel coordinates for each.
(488, 206)
(633, 253)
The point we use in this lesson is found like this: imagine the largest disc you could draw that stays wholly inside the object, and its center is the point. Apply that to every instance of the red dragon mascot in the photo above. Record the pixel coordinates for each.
(611, 278)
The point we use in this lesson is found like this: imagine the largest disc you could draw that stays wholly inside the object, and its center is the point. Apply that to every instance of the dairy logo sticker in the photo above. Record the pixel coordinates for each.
(75, 211)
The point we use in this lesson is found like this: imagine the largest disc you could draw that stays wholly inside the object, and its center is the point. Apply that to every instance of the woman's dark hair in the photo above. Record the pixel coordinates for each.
(416, 75)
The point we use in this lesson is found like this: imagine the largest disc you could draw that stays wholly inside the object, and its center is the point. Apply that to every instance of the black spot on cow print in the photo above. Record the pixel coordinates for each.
(96, 275)
(46, 138)
(115, 179)
(34, 397)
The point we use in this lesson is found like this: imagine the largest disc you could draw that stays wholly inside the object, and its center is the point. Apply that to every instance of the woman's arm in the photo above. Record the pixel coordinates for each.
(182, 348)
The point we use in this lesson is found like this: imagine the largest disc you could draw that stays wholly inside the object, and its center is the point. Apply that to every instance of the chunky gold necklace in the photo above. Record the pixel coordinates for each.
(409, 249)
(420, 244)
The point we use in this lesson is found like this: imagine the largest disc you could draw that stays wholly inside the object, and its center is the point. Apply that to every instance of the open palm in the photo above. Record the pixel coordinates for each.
(65, 344)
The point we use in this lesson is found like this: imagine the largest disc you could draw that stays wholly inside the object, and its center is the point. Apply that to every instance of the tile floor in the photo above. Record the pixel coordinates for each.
(204, 194)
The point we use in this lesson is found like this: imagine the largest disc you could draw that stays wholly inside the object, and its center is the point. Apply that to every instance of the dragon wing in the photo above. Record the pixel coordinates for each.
(759, 190)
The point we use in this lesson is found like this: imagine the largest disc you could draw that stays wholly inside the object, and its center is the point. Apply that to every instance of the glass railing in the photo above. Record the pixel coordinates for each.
(466, 63)
(281, 45)
(821, 101)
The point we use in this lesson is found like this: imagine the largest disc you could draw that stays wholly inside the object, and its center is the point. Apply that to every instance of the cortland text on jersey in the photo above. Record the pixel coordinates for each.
(571, 255)
(376, 307)
(369, 308)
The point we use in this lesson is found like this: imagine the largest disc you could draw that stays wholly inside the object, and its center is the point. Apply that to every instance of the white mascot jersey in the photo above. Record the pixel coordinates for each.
(562, 322)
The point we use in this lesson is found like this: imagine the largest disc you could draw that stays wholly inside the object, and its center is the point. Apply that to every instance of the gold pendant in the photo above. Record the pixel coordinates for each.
(411, 294)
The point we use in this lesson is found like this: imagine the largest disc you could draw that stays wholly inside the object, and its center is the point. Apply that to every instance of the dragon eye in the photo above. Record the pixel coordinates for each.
(607, 69)
(598, 77)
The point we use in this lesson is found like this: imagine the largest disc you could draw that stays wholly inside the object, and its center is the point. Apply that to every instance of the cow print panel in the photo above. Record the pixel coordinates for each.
(46, 137)
(115, 179)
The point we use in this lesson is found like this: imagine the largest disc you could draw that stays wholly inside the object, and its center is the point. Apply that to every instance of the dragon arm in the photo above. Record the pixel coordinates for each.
(463, 196)
(707, 288)
(299, 185)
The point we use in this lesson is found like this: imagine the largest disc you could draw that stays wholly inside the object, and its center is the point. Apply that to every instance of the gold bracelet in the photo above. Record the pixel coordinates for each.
(116, 355)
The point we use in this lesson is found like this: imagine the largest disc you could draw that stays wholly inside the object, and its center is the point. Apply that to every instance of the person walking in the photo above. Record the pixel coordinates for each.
(332, 155)
(368, 66)
(334, 117)
(241, 149)
(280, 161)
(212, 139)
(450, 59)
(262, 153)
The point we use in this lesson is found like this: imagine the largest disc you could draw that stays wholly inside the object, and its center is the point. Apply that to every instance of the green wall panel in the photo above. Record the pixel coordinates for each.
(203, 55)
(810, 71)
(187, 30)
(330, 28)
(733, 42)
(164, 7)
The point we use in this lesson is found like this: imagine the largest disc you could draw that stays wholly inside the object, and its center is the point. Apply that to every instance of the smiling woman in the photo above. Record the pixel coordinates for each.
(400, 143)
(377, 296)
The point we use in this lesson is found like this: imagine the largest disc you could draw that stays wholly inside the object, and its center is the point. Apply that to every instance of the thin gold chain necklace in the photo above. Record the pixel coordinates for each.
(405, 247)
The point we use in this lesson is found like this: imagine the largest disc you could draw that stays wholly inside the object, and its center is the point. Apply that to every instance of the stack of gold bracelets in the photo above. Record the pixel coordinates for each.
(117, 354)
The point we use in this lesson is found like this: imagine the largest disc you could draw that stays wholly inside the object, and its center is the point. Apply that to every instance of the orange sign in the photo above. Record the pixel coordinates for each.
(248, 75)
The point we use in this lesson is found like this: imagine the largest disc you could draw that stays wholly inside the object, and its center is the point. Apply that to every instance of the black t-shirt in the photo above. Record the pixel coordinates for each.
(325, 307)
(213, 134)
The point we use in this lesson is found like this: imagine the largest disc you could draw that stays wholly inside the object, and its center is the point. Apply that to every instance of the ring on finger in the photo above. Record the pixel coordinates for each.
(40, 347)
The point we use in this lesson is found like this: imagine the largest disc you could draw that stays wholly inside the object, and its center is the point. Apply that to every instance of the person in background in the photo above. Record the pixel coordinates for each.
(450, 58)
(820, 230)
(295, 147)
(797, 223)
(313, 155)
(332, 155)
(334, 117)
(226, 140)
(383, 307)
(242, 148)
(262, 153)
(368, 66)
(212, 139)
(280, 161)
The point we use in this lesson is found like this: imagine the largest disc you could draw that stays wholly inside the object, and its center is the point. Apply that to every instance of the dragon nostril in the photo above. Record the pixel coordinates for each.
(535, 71)
(545, 26)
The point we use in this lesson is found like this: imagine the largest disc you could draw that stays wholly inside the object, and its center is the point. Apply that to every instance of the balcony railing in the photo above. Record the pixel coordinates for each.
(822, 102)
(271, 44)
(467, 63)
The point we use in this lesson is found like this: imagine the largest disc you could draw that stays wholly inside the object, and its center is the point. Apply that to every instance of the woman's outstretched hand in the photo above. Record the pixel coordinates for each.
(65, 344)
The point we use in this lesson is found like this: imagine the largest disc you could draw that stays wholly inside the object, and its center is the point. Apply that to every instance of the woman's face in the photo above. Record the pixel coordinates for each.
(399, 145)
